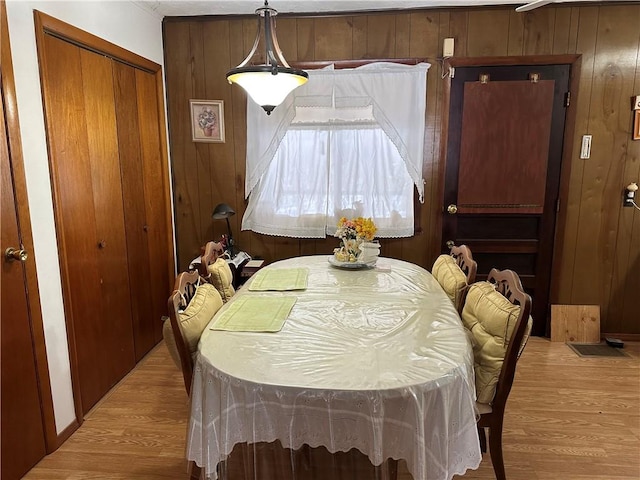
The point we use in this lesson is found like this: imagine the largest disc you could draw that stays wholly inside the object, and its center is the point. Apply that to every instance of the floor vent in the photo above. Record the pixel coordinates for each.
(596, 350)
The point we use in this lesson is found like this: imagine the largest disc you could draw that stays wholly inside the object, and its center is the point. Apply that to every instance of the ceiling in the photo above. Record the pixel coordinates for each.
(172, 8)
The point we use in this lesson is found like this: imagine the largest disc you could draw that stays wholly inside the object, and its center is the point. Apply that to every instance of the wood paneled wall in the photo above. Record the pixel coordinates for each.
(599, 258)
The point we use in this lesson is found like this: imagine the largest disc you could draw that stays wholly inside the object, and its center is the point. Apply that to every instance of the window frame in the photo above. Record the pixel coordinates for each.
(340, 64)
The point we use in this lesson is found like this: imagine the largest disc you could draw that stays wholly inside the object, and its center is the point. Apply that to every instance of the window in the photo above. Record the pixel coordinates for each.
(341, 148)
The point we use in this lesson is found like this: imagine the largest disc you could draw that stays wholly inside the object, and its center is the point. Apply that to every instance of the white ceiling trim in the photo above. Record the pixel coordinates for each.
(172, 8)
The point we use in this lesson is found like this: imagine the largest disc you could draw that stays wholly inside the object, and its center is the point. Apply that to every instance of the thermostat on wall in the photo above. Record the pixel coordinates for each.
(585, 149)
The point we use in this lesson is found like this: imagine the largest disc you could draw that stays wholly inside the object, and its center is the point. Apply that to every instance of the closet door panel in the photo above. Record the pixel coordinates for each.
(116, 336)
(156, 196)
(88, 201)
(72, 185)
(134, 200)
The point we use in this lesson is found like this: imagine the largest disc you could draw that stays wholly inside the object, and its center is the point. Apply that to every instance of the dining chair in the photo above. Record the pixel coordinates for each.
(192, 304)
(214, 267)
(497, 312)
(211, 252)
(455, 272)
(464, 259)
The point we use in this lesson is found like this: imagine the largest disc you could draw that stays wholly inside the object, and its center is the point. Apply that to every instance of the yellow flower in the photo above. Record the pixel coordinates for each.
(360, 228)
(352, 232)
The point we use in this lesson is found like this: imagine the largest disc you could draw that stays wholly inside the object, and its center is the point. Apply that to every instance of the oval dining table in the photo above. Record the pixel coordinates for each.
(373, 359)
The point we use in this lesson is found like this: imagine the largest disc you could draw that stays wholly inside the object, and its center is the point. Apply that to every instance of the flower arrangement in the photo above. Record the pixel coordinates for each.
(352, 232)
(207, 119)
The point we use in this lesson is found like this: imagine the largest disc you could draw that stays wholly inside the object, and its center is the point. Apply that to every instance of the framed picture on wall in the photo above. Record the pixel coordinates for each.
(207, 120)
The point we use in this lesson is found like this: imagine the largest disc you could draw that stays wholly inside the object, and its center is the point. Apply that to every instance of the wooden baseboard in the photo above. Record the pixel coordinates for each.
(65, 434)
(626, 337)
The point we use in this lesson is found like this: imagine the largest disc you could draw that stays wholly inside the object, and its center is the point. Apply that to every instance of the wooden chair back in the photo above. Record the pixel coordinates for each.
(465, 261)
(508, 284)
(212, 250)
(184, 289)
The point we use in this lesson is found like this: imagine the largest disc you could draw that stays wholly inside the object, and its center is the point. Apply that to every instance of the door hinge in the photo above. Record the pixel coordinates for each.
(558, 205)
(452, 72)
(567, 99)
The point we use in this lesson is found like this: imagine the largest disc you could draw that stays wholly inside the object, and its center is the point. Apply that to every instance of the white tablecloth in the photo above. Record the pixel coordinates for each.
(374, 359)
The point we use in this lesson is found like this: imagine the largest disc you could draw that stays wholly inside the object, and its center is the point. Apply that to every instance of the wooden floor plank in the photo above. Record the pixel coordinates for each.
(567, 418)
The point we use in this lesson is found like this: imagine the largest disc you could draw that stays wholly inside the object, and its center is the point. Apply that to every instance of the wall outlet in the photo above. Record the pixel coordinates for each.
(630, 195)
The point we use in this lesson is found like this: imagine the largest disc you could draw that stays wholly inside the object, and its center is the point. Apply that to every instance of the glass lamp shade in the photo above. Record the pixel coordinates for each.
(266, 88)
(267, 84)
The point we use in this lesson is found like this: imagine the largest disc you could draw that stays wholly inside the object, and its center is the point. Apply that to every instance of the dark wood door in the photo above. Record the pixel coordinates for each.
(502, 177)
(23, 436)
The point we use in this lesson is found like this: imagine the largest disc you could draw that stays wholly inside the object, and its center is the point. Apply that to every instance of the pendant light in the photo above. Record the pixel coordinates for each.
(267, 84)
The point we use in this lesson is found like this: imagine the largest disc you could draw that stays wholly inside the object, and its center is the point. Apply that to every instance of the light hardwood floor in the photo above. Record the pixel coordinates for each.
(568, 418)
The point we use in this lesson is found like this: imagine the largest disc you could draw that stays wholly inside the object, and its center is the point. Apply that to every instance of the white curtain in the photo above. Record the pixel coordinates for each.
(307, 168)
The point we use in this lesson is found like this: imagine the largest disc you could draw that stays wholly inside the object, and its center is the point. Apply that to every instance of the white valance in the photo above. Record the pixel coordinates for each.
(395, 93)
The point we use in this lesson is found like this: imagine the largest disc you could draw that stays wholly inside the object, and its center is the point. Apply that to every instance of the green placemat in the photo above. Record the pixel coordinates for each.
(280, 279)
(255, 314)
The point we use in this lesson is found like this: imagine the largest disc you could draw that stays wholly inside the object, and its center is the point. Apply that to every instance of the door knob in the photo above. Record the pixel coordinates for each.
(450, 244)
(15, 254)
(102, 244)
(452, 209)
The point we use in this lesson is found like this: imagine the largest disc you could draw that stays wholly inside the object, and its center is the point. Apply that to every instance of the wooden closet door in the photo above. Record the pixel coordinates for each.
(134, 213)
(145, 217)
(157, 219)
(90, 221)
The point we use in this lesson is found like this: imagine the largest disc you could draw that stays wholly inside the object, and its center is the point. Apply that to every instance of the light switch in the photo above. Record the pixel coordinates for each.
(585, 150)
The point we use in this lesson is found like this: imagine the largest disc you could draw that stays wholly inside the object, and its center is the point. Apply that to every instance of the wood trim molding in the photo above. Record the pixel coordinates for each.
(164, 149)
(444, 139)
(565, 177)
(24, 218)
(53, 26)
(516, 60)
(64, 274)
(338, 64)
(67, 432)
(626, 337)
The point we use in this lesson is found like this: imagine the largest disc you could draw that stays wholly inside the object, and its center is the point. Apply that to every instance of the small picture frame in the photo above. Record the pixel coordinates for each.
(207, 120)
